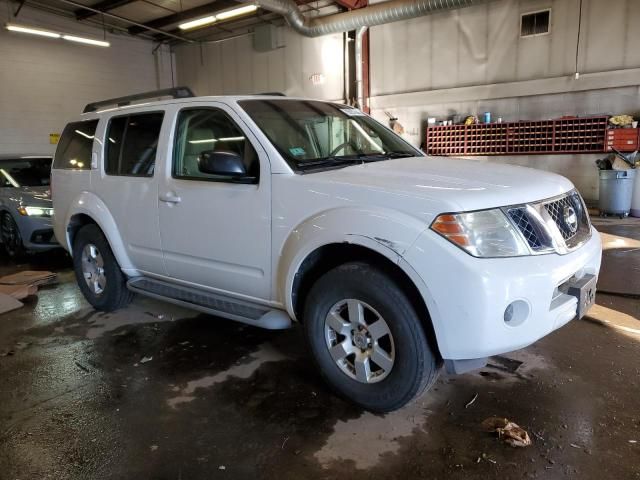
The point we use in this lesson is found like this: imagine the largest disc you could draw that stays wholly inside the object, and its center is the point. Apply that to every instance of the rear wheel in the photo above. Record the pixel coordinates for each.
(98, 274)
(367, 338)
(11, 238)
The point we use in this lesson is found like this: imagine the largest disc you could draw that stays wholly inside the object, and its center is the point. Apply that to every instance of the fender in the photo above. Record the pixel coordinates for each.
(385, 231)
(89, 204)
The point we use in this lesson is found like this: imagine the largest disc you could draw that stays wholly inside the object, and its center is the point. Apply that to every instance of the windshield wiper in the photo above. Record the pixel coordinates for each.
(344, 160)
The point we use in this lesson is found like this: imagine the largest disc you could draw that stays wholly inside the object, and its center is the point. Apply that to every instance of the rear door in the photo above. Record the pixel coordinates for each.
(216, 233)
(128, 183)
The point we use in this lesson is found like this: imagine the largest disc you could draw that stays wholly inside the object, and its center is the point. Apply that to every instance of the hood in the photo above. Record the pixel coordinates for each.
(453, 184)
(34, 196)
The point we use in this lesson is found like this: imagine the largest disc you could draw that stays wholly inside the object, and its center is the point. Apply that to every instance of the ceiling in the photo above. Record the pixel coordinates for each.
(158, 20)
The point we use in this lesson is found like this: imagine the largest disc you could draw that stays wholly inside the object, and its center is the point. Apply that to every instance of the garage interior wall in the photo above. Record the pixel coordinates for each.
(462, 62)
(45, 83)
(471, 61)
(233, 67)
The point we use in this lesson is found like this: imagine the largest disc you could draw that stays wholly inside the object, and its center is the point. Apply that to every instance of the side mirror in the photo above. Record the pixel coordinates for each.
(223, 163)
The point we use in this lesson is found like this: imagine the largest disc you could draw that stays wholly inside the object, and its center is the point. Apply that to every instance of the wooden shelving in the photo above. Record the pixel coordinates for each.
(570, 135)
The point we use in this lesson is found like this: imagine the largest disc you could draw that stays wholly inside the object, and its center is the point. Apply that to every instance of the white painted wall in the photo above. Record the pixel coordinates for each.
(473, 60)
(234, 67)
(45, 83)
(461, 62)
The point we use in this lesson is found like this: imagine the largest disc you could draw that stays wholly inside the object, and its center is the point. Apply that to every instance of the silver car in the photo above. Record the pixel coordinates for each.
(25, 204)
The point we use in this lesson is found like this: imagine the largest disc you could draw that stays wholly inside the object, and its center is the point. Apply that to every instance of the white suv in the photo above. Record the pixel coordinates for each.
(264, 209)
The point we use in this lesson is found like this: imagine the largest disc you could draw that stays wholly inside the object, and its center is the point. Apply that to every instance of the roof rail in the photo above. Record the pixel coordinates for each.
(274, 94)
(176, 92)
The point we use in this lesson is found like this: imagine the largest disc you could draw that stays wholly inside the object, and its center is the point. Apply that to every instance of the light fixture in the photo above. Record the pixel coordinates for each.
(200, 22)
(47, 33)
(87, 41)
(234, 12)
(34, 31)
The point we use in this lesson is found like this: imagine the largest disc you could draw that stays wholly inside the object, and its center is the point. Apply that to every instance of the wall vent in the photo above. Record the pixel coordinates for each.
(535, 23)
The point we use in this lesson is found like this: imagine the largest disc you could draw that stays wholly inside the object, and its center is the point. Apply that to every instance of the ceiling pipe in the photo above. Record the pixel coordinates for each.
(378, 14)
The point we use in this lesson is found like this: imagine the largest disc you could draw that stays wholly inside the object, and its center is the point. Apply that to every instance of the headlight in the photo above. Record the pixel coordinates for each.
(35, 211)
(486, 233)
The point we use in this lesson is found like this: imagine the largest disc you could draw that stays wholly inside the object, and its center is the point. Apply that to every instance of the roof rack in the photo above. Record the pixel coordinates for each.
(176, 92)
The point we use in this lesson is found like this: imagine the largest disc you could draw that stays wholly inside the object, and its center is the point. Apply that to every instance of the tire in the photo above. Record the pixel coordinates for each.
(11, 238)
(106, 289)
(359, 287)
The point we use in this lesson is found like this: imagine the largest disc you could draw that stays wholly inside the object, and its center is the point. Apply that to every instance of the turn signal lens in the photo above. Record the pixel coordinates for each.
(485, 233)
(449, 227)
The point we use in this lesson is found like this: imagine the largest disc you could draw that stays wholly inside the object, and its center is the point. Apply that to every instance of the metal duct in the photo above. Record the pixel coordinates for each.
(377, 14)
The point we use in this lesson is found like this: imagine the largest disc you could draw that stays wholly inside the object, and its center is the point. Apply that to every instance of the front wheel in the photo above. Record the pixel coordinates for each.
(367, 339)
(98, 274)
(11, 238)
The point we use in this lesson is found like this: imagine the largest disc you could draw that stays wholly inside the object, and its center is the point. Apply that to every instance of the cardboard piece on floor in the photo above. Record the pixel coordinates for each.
(8, 303)
(29, 277)
(19, 291)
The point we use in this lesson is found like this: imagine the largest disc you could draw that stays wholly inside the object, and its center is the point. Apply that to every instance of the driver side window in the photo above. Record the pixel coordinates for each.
(207, 130)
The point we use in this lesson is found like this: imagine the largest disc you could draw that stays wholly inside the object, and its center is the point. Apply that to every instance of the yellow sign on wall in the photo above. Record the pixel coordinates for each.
(54, 138)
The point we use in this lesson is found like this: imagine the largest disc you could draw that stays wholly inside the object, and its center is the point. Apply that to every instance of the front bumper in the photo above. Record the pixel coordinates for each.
(467, 297)
(37, 233)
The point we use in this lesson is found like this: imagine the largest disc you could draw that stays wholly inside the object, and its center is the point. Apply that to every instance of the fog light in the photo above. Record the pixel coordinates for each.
(516, 313)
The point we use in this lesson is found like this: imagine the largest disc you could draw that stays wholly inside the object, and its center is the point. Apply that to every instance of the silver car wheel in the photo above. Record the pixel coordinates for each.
(93, 269)
(359, 341)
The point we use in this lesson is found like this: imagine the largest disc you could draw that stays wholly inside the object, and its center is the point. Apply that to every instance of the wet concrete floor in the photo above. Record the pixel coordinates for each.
(159, 392)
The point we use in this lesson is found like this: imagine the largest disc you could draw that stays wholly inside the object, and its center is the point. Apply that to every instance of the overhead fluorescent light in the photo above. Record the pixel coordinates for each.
(200, 22)
(34, 31)
(236, 11)
(87, 41)
(47, 33)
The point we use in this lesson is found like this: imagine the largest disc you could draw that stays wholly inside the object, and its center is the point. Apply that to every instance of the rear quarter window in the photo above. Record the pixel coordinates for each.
(74, 148)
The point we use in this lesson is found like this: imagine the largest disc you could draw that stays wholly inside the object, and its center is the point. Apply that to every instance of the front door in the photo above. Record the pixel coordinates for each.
(215, 231)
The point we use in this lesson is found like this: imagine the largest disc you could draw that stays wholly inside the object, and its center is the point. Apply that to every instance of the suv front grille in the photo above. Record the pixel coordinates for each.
(560, 224)
(563, 209)
(528, 227)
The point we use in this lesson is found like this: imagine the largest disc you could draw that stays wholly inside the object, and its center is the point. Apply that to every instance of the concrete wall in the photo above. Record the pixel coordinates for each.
(44, 83)
(473, 60)
(234, 67)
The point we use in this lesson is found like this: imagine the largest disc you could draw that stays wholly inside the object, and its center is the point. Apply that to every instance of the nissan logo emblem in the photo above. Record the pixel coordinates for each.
(570, 219)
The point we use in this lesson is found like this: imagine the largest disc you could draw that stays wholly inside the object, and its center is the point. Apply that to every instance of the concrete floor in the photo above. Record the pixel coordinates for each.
(222, 400)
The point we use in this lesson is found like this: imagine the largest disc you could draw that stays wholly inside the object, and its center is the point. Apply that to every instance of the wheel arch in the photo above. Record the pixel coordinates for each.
(329, 256)
(90, 209)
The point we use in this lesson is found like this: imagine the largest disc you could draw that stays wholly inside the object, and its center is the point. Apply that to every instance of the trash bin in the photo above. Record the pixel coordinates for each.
(616, 188)
(635, 198)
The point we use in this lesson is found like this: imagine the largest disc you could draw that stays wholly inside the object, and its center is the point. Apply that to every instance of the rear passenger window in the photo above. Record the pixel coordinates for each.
(132, 143)
(74, 148)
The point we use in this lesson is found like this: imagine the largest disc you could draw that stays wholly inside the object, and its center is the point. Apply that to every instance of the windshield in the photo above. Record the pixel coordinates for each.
(32, 172)
(315, 135)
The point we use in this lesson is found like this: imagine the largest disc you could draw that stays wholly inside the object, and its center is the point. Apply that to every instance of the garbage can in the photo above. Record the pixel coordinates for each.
(616, 188)
(635, 198)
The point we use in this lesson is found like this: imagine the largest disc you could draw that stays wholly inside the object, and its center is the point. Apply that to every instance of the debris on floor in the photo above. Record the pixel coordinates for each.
(9, 303)
(18, 286)
(510, 432)
(29, 277)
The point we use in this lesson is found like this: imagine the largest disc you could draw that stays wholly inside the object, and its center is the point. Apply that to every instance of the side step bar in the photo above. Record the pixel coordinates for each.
(211, 303)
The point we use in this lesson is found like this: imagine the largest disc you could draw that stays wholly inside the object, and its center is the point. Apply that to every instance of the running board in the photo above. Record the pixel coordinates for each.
(211, 303)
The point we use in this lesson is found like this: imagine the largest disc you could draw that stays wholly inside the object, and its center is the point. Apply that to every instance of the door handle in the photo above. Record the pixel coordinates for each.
(170, 197)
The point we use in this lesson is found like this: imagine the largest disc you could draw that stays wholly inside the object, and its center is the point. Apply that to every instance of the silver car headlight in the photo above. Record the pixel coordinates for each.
(35, 211)
(485, 233)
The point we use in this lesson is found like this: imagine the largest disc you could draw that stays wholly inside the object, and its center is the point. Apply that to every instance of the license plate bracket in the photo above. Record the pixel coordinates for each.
(584, 290)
